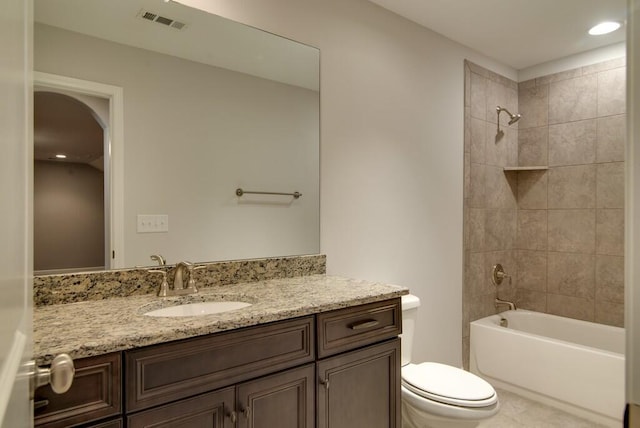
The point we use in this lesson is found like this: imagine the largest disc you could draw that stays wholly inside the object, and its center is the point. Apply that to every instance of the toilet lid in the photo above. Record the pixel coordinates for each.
(448, 385)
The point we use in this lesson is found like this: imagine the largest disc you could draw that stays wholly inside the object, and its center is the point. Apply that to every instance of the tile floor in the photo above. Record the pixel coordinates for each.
(520, 412)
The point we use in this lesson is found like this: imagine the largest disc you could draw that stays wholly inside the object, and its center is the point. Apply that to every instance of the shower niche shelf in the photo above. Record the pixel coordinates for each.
(526, 168)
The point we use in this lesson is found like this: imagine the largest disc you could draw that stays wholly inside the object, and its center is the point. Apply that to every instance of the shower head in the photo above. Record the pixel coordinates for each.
(513, 118)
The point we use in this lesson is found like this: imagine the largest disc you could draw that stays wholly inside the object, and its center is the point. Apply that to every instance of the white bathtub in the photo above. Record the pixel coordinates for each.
(574, 365)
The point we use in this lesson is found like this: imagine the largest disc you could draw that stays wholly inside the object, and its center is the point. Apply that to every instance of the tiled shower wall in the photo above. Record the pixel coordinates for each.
(570, 230)
(559, 232)
(490, 205)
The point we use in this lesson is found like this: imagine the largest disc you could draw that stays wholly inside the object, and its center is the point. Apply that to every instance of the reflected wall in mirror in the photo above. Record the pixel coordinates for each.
(209, 106)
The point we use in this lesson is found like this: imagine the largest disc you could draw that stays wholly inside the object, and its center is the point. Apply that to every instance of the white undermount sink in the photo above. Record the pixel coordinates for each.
(197, 309)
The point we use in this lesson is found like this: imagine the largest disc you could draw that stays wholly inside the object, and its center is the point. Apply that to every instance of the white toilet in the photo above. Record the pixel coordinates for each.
(436, 395)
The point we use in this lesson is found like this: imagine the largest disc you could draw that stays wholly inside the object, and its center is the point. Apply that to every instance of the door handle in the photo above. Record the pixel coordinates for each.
(59, 375)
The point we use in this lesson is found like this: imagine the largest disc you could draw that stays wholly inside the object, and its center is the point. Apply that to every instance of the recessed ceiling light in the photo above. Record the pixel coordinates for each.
(604, 28)
(61, 156)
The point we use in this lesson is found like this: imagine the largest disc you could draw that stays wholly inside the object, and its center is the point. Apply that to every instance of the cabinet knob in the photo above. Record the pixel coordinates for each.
(59, 375)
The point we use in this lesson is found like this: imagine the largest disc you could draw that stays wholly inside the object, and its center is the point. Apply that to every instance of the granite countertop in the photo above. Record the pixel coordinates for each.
(98, 327)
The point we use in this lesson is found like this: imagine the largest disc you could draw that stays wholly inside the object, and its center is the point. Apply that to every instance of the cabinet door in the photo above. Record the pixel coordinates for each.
(283, 400)
(361, 389)
(212, 410)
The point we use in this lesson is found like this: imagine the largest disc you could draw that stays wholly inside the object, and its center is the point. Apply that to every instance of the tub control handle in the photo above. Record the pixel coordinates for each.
(364, 324)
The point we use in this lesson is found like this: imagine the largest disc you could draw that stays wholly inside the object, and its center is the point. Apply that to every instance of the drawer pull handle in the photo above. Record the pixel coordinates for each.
(39, 404)
(325, 383)
(364, 324)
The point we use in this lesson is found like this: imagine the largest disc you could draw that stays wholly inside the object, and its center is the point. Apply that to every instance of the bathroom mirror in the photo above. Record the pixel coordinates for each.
(208, 106)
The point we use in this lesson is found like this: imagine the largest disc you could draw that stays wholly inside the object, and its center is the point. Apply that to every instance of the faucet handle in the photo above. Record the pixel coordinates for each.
(158, 258)
(498, 274)
(191, 285)
(164, 286)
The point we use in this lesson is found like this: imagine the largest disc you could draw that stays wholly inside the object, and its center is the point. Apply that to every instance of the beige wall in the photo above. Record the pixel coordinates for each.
(193, 134)
(68, 219)
(570, 235)
(489, 197)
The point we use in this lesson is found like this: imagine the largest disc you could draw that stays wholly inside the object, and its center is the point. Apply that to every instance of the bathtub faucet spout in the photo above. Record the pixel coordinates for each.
(511, 305)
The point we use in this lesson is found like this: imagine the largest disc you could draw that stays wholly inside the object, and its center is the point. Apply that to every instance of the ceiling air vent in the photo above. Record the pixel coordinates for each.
(159, 19)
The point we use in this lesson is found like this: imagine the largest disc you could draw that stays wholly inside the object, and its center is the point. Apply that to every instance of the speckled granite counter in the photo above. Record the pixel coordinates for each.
(97, 327)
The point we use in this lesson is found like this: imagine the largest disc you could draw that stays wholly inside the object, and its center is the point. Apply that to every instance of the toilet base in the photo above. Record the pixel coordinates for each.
(414, 418)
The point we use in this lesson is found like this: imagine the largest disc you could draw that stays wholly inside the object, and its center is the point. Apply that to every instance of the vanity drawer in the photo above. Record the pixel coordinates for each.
(94, 394)
(162, 373)
(350, 328)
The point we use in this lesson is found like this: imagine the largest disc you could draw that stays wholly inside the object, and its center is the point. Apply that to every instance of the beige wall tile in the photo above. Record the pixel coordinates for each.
(533, 104)
(572, 274)
(496, 96)
(467, 129)
(500, 229)
(467, 85)
(477, 185)
(532, 230)
(531, 300)
(572, 143)
(532, 190)
(611, 92)
(477, 275)
(610, 278)
(573, 99)
(611, 138)
(610, 313)
(501, 188)
(610, 185)
(533, 146)
(572, 187)
(475, 226)
(478, 96)
(610, 232)
(477, 140)
(556, 77)
(572, 307)
(605, 65)
(572, 230)
(532, 270)
(467, 175)
(482, 306)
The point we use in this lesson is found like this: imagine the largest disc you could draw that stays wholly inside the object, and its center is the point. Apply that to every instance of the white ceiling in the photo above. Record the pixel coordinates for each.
(517, 33)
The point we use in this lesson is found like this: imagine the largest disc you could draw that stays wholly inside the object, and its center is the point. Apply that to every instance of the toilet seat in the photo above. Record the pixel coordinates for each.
(448, 385)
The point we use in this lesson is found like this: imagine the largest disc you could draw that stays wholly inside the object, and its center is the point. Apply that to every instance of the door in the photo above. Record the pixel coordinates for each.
(361, 389)
(283, 400)
(15, 210)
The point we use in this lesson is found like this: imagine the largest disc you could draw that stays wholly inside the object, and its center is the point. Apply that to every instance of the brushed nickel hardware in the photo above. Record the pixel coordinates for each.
(240, 192)
(158, 258)
(325, 383)
(182, 271)
(40, 404)
(246, 412)
(498, 274)
(364, 324)
(59, 375)
(164, 286)
(233, 416)
(511, 305)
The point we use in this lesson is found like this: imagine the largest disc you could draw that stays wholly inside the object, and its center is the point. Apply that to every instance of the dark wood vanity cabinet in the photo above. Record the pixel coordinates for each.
(95, 395)
(332, 370)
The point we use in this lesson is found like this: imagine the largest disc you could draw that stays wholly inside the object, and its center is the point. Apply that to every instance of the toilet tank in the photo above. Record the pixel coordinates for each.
(410, 304)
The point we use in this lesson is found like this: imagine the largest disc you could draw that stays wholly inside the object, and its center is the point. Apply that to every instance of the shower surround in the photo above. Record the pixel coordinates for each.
(558, 232)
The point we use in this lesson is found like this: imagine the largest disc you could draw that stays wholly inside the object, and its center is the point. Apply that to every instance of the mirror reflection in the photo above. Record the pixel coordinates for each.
(163, 112)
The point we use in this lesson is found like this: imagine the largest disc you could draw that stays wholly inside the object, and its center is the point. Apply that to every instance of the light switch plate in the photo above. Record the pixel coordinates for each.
(153, 223)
